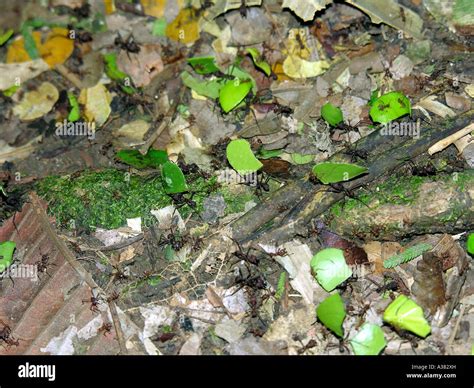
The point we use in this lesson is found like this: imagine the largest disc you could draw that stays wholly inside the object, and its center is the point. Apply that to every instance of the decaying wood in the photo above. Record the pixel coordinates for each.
(437, 206)
(387, 154)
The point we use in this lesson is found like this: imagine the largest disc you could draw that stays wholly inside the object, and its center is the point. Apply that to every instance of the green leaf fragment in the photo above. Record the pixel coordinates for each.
(404, 313)
(75, 112)
(203, 65)
(330, 268)
(337, 172)
(241, 158)
(233, 93)
(6, 254)
(281, 286)
(208, 89)
(5, 36)
(407, 255)
(115, 74)
(302, 159)
(173, 178)
(390, 107)
(331, 313)
(332, 114)
(258, 62)
(159, 27)
(153, 158)
(267, 154)
(369, 341)
(470, 244)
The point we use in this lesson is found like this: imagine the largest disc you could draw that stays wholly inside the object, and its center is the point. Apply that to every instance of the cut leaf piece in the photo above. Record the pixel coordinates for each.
(204, 88)
(302, 159)
(5, 36)
(470, 244)
(233, 93)
(390, 107)
(115, 74)
(6, 254)
(332, 114)
(404, 313)
(241, 158)
(369, 341)
(331, 313)
(330, 268)
(153, 158)
(258, 62)
(337, 172)
(203, 65)
(75, 112)
(173, 178)
(185, 27)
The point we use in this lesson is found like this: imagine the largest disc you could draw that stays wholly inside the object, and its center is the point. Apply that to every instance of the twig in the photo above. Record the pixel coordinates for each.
(442, 144)
(71, 77)
(456, 326)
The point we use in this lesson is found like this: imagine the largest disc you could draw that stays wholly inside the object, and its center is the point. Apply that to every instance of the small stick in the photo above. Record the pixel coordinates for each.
(442, 144)
(71, 77)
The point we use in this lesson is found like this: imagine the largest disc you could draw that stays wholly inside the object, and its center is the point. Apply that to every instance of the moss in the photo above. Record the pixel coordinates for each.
(107, 198)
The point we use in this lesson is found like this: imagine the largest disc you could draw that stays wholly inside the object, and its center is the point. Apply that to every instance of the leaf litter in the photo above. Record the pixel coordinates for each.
(222, 173)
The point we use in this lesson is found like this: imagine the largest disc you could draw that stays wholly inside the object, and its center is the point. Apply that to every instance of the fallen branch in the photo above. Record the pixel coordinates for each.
(386, 155)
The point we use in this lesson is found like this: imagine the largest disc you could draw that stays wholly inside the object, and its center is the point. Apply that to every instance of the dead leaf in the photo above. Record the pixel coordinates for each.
(37, 103)
(305, 9)
(16, 73)
(97, 103)
(55, 50)
(143, 66)
(185, 27)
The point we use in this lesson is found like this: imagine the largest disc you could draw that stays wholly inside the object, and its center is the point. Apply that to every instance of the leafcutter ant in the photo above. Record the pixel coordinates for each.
(6, 335)
(129, 46)
(247, 257)
(95, 301)
(43, 263)
(105, 328)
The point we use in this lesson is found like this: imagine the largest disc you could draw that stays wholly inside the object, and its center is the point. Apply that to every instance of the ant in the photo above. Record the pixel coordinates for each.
(356, 154)
(424, 171)
(105, 328)
(130, 46)
(273, 107)
(5, 335)
(278, 252)
(246, 257)
(94, 301)
(260, 184)
(243, 9)
(171, 239)
(311, 344)
(43, 263)
(347, 283)
(112, 297)
(180, 200)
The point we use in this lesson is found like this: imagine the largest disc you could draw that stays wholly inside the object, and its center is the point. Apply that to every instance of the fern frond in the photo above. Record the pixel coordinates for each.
(407, 255)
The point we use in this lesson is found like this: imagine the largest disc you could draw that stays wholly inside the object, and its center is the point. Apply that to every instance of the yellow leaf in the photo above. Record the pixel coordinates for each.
(55, 50)
(97, 103)
(295, 67)
(16, 51)
(154, 8)
(37, 103)
(109, 6)
(185, 27)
